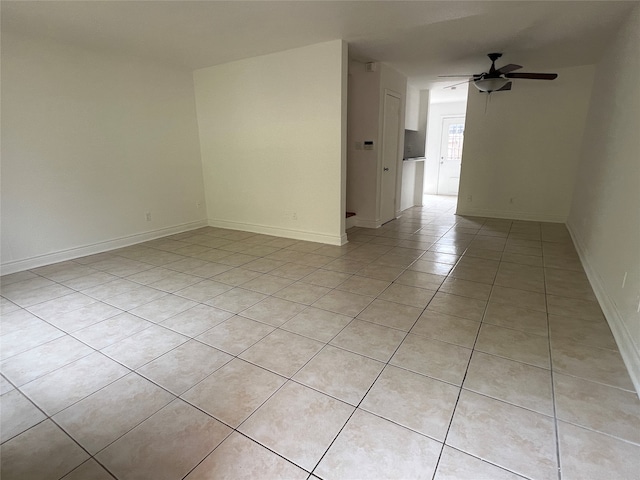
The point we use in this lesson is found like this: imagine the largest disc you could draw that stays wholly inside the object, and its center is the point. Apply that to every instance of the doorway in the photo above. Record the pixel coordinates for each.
(450, 158)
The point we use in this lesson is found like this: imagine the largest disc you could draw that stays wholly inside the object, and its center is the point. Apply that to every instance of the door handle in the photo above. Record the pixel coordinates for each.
(386, 169)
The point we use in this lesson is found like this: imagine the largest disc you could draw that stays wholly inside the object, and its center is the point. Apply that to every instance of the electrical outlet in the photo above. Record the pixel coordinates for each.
(148, 216)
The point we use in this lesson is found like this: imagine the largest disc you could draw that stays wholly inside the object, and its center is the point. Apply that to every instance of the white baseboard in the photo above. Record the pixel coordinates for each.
(350, 222)
(510, 215)
(628, 351)
(99, 247)
(360, 222)
(281, 232)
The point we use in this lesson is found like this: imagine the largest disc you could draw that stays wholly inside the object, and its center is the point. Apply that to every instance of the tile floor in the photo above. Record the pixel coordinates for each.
(435, 347)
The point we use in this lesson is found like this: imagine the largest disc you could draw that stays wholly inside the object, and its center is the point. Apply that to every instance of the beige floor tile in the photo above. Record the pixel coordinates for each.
(293, 271)
(112, 330)
(241, 458)
(211, 269)
(364, 286)
(183, 367)
(134, 298)
(420, 279)
(574, 307)
(598, 407)
(83, 317)
(298, 423)
(514, 345)
(55, 452)
(440, 257)
(18, 415)
(439, 360)
(466, 288)
(7, 306)
(274, 311)
(320, 325)
(374, 341)
(344, 375)
(447, 328)
(234, 392)
(163, 308)
(89, 470)
(282, 352)
(511, 437)
(46, 358)
(235, 334)
(301, 292)
(196, 320)
(165, 446)
(370, 447)
(263, 265)
(519, 298)
(591, 363)
(531, 260)
(523, 277)
(586, 454)
(391, 314)
(61, 305)
(413, 401)
(5, 385)
(510, 316)
(175, 281)
(236, 300)
(22, 331)
(267, 284)
(594, 333)
(345, 303)
(407, 295)
(567, 283)
(204, 291)
(65, 386)
(474, 273)
(433, 268)
(464, 307)
(144, 346)
(104, 416)
(513, 382)
(27, 298)
(326, 278)
(456, 465)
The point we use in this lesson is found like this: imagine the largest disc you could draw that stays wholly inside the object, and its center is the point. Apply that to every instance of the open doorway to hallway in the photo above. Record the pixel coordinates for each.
(444, 141)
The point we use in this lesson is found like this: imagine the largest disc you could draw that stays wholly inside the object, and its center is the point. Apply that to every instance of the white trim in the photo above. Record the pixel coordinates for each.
(367, 223)
(99, 247)
(280, 232)
(628, 351)
(531, 217)
(350, 222)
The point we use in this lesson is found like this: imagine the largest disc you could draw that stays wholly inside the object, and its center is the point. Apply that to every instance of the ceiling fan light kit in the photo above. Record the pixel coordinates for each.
(499, 79)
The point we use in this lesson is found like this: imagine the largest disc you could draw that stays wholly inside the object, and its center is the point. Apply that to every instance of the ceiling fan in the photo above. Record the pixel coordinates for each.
(499, 79)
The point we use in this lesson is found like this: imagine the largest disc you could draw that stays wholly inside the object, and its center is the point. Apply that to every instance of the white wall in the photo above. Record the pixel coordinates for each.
(520, 156)
(437, 112)
(412, 112)
(605, 213)
(364, 167)
(272, 136)
(90, 143)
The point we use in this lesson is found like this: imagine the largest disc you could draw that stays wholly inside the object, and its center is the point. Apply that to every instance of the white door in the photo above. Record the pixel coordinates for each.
(450, 155)
(390, 144)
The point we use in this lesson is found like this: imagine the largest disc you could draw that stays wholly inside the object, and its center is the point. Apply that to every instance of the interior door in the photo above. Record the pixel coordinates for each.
(450, 155)
(390, 144)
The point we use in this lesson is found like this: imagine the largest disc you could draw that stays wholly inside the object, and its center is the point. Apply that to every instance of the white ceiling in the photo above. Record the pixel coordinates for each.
(421, 39)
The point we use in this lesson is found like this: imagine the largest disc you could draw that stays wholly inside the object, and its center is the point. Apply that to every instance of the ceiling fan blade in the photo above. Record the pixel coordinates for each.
(454, 76)
(533, 76)
(508, 68)
(505, 88)
(456, 84)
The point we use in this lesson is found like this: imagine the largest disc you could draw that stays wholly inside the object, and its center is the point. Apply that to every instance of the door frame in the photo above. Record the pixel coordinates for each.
(380, 159)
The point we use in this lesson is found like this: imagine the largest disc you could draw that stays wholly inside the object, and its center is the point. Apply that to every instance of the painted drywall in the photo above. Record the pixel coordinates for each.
(412, 112)
(272, 135)
(91, 143)
(521, 149)
(605, 212)
(363, 113)
(437, 112)
(365, 121)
